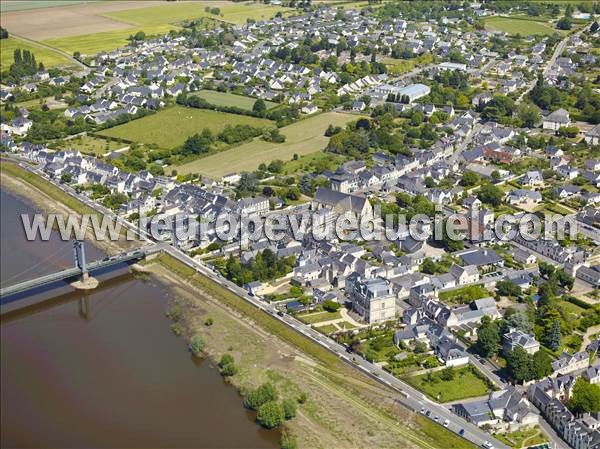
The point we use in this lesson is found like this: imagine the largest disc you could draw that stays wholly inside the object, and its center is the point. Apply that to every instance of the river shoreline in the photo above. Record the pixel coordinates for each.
(344, 408)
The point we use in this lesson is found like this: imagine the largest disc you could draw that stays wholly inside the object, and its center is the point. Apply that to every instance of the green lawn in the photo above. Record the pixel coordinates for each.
(303, 137)
(518, 26)
(169, 127)
(48, 57)
(230, 100)
(319, 317)
(527, 437)
(464, 295)
(94, 146)
(467, 383)
(327, 329)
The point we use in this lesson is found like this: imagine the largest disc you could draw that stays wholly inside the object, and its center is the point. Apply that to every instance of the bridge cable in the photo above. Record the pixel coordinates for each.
(37, 264)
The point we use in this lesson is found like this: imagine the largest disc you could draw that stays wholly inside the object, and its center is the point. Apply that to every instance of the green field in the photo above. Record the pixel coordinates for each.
(90, 145)
(465, 384)
(157, 20)
(229, 99)
(319, 317)
(90, 44)
(170, 127)
(303, 137)
(517, 26)
(464, 295)
(48, 57)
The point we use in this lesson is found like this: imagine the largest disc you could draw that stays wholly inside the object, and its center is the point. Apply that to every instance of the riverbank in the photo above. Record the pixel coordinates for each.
(49, 199)
(344, 407)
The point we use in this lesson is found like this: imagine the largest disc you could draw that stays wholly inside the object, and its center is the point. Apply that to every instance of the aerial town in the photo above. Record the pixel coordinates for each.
(446, 111)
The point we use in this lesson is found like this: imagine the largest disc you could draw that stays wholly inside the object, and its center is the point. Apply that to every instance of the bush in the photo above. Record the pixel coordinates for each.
(263, 394)
(197, 344)
(302, 398)
(227, 365)
(331, 306)
(270, 415)
(289, 408)
(288, 441)
(209, 321)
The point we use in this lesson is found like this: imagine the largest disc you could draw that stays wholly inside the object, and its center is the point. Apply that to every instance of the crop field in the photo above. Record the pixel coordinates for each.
(21, 5)
(176, 12)
(303, 137)
(90, 44)
(153, 20)
(170, 127)
(517, 26)
(229, 99)
(48, 57)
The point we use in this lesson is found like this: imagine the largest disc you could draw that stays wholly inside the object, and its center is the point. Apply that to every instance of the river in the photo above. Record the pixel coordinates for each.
(114, 376)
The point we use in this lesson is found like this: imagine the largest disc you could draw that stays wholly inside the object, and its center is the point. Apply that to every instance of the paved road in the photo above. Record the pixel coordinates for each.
(411, 398)
(463, 145)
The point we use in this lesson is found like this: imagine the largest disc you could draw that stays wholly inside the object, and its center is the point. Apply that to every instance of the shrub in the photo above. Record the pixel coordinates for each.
(270, 414)
(197, 344)
(263, 394)
(289, 408)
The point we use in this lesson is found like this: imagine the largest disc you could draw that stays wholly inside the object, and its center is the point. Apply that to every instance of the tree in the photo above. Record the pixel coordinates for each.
(196, 344)
(488, 337)
(270, 415)
(529, 115)
(517, 319)
(227, 365)
(518, 363)
(507, 288)
(586, 397)
(554, 336)
(564, 24)
(541, 365)
(331, 306)
(289, 408)
(263, 394)
(469, 179)
(490, 194)
(447, 374)
(259, 107)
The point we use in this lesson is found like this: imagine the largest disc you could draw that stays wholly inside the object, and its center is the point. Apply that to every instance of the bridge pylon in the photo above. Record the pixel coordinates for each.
(79, 258)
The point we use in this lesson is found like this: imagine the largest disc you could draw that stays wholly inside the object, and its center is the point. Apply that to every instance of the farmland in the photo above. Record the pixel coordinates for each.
(228, 99)
(517, 26)
(48, 57)
(304, 137)
(170, 127)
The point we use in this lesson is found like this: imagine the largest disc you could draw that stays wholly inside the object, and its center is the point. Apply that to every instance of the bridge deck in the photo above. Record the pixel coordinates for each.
(72, 272)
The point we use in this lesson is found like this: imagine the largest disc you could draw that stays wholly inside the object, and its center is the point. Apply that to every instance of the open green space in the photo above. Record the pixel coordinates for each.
(169, 127)
(176, 12)
(466, 382)
(303, 137)
(527, 437)
(90, 44)
(464, 295)
(95, 146)
(22, 5)
(327, 329)
(518, 26)
(230, 100)
(319, 317)
(49, 57)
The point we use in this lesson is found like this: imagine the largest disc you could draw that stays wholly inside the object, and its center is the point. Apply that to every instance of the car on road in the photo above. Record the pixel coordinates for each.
(488, 445)
(422, 410)
(446, 423)
(428, 413)
(437, 418)
(461, 432)
(280, 313)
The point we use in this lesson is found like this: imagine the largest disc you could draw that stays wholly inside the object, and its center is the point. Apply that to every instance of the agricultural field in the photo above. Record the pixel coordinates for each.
(21, 5)
(48, 57)
(173, 13)
(466, 382)
(230, 100)
(170, 127)
(94, 146)
(303, 137)
(517, 26)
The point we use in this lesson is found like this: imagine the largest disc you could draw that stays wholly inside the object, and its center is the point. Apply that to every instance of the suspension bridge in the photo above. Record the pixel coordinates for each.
(79, 276)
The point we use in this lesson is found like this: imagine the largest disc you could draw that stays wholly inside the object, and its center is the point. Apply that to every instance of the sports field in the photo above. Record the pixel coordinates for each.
(170, 127)
(303, 137)
(48, 57)
(230, 100)
(518, 26)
